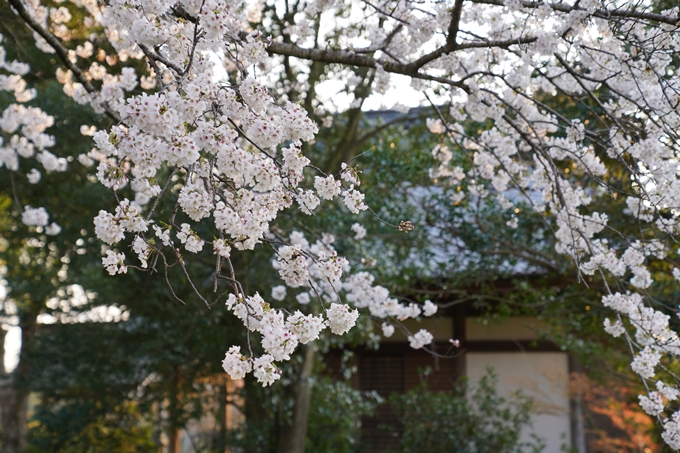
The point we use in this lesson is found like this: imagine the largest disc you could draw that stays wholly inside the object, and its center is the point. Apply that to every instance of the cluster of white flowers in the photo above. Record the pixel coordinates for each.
(266, 371)
(277, 339)
(420, 339)
(279, 336)
(142, 249)
(362, 294)
(233, 155)
(319, 271)
(39, 217)
(33, 176)
(341, 318)
(652, 404)
(387, 329)
(429, 308)
(645, 362)
(327, 188)
(221, 248)
(52, 229)
(354, 200)
(670, 393)
(359, 231)
(111, 228)
(114, 262)
(35, 216)
(292, 266)
(226, 164)
(279, 292)
(307, 200)
(306, 327)
(236, 364)
(192, 243)
(671, 432)
(558, 161)
(303, 298)
(616, 329)
(25, 128)
(317, 268)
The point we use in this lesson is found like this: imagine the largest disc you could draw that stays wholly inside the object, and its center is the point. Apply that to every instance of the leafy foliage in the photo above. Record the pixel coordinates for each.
(90, 427)
(336, 409)
(467, 419)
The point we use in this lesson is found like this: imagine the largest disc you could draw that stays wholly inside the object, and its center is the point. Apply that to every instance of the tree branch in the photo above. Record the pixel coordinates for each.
(601, 13)
(60, 50)
(153, 56)
(454, 25)
(348, 58)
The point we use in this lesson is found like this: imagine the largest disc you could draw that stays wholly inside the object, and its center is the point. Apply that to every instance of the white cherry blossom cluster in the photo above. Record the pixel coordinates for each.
(318, 271)
(619, 58)
(279, 337)
(341, 318)
(227, 174)
(114, 263)
(227, 152)
(652, 404)
(560, 164)
(359, 231)
(323, 275)
(420, 339)
(22, 135)
(35, 217)
(236, 364)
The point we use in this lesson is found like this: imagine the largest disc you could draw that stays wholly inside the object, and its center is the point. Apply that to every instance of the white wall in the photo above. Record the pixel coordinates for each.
(544, 376)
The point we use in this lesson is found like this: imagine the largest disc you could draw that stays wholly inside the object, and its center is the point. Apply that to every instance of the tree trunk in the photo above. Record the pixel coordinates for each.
(221, 417)
(292, 438)
(157, 433)
(256, 418)
(174, 410)
(14, 397)
(174, 435)
(14, 405)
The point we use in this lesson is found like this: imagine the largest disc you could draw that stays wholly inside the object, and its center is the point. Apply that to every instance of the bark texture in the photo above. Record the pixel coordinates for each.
(293, 436)
(14, 398)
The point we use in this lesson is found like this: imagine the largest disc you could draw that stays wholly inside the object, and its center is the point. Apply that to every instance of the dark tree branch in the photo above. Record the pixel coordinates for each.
(500, 43)
(601, 13)
(454, 25)
(60, 50)
(348, 58)
(154, 56)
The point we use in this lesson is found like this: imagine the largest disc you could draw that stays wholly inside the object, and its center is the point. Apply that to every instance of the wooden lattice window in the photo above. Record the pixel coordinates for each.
(385, 375)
